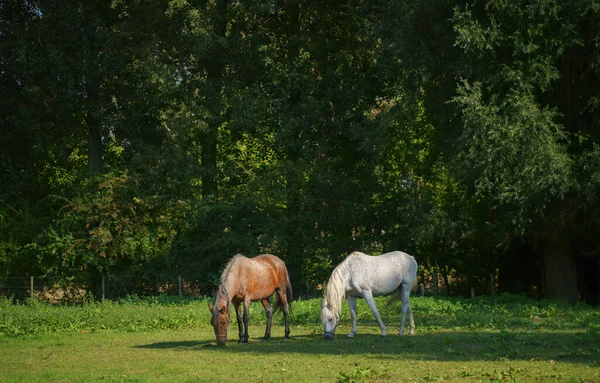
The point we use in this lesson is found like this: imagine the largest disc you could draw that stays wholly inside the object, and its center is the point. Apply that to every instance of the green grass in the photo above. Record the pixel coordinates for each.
(505, 339)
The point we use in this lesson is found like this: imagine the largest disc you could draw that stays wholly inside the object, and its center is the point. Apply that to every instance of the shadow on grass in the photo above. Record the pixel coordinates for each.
(187, 345)
(572, 347)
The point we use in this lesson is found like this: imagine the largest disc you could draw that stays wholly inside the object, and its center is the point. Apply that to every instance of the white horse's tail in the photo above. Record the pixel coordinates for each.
(412, 273)
(397, 296)
(415, 286)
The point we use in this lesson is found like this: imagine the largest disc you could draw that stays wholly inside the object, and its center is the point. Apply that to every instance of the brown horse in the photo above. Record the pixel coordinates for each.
(251, 279)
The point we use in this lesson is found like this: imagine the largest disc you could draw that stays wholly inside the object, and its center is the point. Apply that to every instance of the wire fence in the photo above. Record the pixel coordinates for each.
(57, 289)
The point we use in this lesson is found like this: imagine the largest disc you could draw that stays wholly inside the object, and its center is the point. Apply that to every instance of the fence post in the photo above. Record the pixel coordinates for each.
(472, 293)
(435, 283)
(103, 288)
(422, 289)
(31, 282)
(180, 291)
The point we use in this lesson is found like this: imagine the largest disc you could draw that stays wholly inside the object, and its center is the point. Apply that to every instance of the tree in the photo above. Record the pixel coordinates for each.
(497, 99)
(71, 81)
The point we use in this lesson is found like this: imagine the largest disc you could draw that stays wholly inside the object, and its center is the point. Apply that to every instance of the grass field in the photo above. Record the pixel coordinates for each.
(504, 339)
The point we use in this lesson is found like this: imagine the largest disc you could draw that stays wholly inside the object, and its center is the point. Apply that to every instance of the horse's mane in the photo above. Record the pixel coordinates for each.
(222, 290)
(227, 271)
(336, 287)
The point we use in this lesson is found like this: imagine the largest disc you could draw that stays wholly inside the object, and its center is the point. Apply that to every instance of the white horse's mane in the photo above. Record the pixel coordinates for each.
(336, 287)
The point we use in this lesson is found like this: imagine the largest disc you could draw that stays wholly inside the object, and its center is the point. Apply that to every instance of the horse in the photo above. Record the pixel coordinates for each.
(251, 279)
(365, 276)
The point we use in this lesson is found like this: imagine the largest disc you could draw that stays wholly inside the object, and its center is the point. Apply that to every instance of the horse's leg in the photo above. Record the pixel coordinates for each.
(285, 305)
(352, 305)
(238, 315)
(246, 319)
(269, 312)
(371, 302)
(406, 309)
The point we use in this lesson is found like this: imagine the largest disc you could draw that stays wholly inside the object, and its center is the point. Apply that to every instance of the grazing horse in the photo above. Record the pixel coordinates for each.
(365, 276)
(251, 279)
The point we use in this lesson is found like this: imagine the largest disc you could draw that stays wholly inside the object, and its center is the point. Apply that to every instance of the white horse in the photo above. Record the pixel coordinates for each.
(365, 276)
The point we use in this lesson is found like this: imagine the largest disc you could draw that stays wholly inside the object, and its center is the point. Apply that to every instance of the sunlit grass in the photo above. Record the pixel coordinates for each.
(507, 338)
(191, 355)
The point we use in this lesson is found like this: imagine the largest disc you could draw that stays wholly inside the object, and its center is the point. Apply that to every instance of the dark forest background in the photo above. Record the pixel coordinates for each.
(145, 139)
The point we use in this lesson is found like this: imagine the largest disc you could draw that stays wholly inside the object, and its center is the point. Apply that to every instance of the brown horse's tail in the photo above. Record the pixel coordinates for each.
(289, 295)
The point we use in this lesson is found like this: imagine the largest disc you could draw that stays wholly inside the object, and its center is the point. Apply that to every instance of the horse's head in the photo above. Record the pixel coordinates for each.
(330, 320)
(220, 318)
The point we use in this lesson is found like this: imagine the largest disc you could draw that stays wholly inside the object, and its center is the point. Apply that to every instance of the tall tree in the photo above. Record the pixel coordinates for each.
(496, 97)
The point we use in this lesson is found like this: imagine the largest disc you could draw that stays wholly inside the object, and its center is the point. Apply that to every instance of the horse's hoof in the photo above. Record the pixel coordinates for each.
(384, 336)
(350, 336)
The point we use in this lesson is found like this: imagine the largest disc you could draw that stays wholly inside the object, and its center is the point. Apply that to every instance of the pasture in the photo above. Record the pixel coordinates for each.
(164, 339)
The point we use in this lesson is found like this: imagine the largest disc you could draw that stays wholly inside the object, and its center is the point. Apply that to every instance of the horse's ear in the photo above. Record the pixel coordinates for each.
(210, 307)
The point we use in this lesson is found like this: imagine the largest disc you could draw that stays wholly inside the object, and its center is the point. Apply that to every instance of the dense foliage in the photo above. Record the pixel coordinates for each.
(146, 140)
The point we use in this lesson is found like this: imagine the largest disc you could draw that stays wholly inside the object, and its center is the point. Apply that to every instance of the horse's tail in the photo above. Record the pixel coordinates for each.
(415, 286)
(289, 295)
(397, 296)
(288, 291)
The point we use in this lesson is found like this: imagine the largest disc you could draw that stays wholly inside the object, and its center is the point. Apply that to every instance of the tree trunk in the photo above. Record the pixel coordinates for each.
(493, 284)
(295, 252)
(214, 68)
(91, 85)
(560, 271)
(294, 206)
(209, 160)
(94, 144)
(444, 272)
